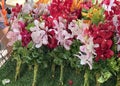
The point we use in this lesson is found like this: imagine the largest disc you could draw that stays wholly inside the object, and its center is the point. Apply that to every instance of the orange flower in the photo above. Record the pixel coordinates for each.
(87, 21)
(43, 1)
(76, 4)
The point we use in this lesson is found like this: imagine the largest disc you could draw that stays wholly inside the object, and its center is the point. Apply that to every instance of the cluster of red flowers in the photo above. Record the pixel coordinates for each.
(16, 10)
(59, 8)
(63, 8)
(102, 35)
(113, 16)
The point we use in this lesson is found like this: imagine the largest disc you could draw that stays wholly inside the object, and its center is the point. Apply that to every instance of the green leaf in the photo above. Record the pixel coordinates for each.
(30, 45)
(30, 25)
(27, 16)
(16, 45)
(58, 61)
(93, 1)
(104, 77)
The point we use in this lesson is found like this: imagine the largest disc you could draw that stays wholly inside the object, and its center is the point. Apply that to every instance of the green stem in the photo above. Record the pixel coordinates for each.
(35, 73)
(53, 70)
(118, 81)
(18, 66)
(86, 78)
(61, 75)
(77, 71)
(97, 76)
(30, 67)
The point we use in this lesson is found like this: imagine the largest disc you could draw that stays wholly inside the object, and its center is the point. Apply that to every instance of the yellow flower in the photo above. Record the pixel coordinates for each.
(92, 12)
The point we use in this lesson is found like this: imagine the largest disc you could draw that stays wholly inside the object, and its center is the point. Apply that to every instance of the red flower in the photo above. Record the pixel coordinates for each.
(115, 10)
(26, 37)
(70, 82)
(106, 44)
(87, 4)
(107, 2)
(48, 21)
(21, 24)
(17, 9)
(62, 8)
(103, 54)
(102, 35)
(52, 41)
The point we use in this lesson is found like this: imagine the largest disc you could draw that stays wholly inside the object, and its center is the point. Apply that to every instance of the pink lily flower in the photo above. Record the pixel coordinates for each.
(39, 37)
(87, 52)
(63, 37)
(13, 37)
(15, 26)
(39, 34)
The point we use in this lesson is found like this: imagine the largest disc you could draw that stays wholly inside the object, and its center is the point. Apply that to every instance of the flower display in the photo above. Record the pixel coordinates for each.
(62, 31)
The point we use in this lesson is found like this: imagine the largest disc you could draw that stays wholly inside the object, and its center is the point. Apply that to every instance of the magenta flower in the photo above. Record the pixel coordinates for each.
(26, 37)
(16, 10)
(52, 41)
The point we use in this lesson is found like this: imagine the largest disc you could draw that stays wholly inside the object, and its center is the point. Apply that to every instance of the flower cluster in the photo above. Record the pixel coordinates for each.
(53, 26)
(113, 17)
(56, 24)
(105, 41)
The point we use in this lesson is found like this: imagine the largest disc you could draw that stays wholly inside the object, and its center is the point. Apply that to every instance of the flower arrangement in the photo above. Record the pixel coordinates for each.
(83, 34)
